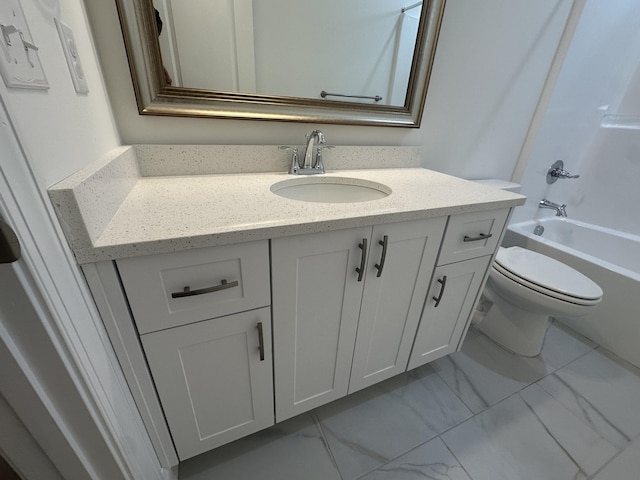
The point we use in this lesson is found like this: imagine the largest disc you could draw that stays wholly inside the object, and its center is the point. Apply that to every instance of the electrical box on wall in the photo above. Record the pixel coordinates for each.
(20, 64)
(72, 56)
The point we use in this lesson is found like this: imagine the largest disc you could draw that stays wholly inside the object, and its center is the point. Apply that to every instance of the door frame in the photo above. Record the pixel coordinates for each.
(67, 316)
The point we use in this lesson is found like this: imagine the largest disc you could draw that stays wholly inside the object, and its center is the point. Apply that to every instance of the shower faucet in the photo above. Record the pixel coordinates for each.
(557, 171)
(561, 210)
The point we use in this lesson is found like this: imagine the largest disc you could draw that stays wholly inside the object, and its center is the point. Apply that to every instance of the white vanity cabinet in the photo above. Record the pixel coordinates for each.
(346, 305)
(447, 309)
(205, 326)
(214, 379)
(467, 250)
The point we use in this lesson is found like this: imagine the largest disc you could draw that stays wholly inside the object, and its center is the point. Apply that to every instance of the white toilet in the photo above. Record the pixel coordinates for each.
(525, 289)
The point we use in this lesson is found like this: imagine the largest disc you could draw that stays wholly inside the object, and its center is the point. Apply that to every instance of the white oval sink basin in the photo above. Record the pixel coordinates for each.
(330, 190)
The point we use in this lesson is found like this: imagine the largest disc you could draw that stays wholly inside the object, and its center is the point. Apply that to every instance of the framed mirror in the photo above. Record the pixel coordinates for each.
(363, 62)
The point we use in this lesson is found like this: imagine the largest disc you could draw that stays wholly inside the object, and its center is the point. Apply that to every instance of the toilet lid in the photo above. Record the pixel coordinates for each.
(547, 273)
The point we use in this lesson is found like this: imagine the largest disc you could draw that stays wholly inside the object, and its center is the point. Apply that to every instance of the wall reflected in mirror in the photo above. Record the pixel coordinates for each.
(292, 48)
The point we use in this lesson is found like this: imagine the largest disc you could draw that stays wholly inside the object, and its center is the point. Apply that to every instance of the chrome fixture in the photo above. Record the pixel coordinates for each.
(557, 171)
(310, 165)
(325, 94)
(308, 153)
(561, 210)
(404, 9)
(295, 165)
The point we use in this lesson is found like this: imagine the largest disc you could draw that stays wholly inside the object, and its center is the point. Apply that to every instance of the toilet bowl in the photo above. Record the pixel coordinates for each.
(525, 289)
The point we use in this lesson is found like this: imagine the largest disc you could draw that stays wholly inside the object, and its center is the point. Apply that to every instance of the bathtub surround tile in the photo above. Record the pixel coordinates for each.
(369, 428)
(603, 391)
(586, 447)
(432, 460)
(483, 373)
(508, 442)
(293, 449)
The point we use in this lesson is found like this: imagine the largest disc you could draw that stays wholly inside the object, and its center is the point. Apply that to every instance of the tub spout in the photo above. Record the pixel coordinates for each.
(561, 210)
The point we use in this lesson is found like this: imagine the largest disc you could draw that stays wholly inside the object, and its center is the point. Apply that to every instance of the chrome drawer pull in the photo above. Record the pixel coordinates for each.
(363, 259)
(187, 292)
(384, 243)
(260, 341)
(439, 297)
(482, 236)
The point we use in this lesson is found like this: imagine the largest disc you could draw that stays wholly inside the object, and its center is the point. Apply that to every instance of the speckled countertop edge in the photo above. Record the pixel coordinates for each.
(164, 214)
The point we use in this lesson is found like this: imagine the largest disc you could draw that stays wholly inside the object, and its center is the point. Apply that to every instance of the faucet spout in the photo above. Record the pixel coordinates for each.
(308, 153)
(561, 210)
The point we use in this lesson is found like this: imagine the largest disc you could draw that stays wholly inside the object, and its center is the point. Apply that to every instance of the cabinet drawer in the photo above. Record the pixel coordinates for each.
(219, 281)
(472, 235)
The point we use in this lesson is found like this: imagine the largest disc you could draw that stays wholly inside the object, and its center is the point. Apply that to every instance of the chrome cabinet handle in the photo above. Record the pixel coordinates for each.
(442, 281)
(187, 292)
(482, 236)
(260, 341)
(383, 242)
(363, 259)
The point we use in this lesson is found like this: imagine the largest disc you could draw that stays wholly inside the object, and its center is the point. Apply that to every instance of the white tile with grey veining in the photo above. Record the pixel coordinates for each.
(583, 444)
(293, 449)
(563, 345)
(509, 442)
(625, 466)
(370, 427)
(601, 390)
(432, 460)
(483, 373)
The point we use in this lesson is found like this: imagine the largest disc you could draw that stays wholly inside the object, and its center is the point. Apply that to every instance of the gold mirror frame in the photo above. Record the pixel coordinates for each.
(155, 97)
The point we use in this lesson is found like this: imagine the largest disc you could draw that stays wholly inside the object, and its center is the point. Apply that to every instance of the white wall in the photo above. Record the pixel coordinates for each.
(61, 130)
(492, 61)
(599, 77)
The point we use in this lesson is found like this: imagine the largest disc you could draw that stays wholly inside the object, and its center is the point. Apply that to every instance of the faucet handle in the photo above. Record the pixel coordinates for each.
(557, 171)
(319, 164)
(295, 164)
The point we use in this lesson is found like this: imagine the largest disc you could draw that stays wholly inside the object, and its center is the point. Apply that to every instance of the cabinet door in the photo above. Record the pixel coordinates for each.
(316, 302)
(450, 300)
(212, 382)
(392, 302)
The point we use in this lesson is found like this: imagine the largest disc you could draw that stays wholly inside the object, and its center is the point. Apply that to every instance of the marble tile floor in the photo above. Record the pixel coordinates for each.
(572, 413)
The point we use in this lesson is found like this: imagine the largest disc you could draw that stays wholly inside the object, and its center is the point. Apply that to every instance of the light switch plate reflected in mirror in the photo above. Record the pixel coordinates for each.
(72, 56)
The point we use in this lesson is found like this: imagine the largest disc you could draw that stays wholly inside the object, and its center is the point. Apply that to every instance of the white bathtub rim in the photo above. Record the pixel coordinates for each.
(526, 229)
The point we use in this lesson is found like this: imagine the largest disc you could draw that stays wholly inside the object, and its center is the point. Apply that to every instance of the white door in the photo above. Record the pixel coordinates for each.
(214, 379)
(451, 298)
(316, 302)
(401, 261)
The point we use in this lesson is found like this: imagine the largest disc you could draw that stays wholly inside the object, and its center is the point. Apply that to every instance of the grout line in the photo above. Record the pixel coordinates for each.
(316, 420)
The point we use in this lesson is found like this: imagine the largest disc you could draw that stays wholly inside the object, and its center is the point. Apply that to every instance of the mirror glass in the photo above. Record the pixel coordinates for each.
(335, 61)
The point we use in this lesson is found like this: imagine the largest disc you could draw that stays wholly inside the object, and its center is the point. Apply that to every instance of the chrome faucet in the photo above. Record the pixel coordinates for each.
(561, 210)
(310, 165)
(557, 171)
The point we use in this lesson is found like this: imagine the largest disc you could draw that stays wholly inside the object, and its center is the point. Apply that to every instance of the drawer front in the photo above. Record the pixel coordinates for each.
(472, 235)
(173, 289)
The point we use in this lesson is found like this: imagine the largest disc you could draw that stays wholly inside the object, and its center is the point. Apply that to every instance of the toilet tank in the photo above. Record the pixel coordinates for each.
(501, 184)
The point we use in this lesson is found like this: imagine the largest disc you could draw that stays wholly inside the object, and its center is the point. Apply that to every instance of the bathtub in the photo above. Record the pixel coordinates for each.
(611, 259)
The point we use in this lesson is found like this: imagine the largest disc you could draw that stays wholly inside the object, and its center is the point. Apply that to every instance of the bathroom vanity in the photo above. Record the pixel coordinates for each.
(231, 308)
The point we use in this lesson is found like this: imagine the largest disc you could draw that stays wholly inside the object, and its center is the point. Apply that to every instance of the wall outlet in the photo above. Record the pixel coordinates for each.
(72, 56)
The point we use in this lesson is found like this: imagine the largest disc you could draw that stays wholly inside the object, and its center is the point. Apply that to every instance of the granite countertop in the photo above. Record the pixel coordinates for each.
(168, 213)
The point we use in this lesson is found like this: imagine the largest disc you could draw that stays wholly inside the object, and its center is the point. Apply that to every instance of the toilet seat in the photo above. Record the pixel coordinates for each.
(547, 276)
